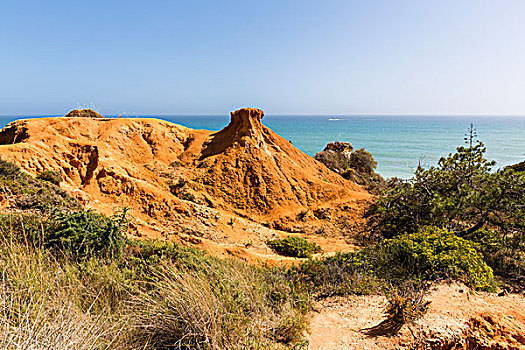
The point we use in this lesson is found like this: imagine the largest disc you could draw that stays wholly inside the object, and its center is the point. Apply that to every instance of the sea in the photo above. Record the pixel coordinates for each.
(398, 143)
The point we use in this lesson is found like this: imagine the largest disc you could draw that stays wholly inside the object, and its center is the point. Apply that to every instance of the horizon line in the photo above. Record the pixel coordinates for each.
(285, 115)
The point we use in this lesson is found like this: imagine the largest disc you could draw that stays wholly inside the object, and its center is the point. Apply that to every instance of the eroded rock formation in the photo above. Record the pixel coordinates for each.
(234, 186)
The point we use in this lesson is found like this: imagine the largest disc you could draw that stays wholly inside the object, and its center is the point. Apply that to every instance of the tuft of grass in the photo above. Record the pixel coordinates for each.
(46, 304)
(197, 301)
(406, 304)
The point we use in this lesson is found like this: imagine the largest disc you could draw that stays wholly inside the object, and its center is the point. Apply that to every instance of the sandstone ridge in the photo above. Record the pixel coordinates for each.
(227, 190)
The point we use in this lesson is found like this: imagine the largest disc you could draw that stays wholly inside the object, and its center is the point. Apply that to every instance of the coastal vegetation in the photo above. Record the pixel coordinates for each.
(72, 278)
(463, 195)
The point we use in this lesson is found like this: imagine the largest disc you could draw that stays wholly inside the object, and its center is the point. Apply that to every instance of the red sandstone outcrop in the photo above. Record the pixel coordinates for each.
(232, 187)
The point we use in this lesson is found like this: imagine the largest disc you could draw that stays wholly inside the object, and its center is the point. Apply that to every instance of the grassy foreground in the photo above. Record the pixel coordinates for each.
(156, 295)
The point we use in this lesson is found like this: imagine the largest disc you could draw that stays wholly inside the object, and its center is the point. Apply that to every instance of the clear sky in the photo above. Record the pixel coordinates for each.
(287, 57)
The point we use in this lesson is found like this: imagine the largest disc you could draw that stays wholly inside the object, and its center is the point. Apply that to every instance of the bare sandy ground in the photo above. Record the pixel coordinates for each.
(455, 314)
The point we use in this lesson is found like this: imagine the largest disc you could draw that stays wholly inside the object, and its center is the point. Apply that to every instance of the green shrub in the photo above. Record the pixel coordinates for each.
(50, 176)
(362, 161)
(506, 256)
(434, 253)
(77, 234)
(86, 233)
(294, 246)
(461, 194)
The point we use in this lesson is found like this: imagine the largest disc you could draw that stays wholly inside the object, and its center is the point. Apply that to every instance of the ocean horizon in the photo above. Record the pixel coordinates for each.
(398, 143)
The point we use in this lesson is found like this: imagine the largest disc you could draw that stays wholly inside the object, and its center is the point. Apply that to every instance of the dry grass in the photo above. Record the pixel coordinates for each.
(41, 305)
(221, 306)
(180, 299)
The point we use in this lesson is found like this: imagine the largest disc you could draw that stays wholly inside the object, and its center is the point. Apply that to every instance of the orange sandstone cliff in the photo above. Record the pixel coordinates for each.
(229, 190)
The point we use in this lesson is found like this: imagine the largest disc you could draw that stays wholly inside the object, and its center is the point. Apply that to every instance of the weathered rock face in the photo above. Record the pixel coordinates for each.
(336, 156)
(255, 172)
(191, 181)
(13, 133)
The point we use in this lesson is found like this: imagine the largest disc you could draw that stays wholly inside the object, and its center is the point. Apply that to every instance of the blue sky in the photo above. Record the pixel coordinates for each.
(287, 57)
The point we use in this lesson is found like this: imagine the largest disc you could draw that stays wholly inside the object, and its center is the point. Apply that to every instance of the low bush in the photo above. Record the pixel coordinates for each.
(342, 274)
(434, 253)
(76, 234)
(506, 256)
(294, 246)
(50, 176)
(428, 255)
(87, 233)
(362, 161)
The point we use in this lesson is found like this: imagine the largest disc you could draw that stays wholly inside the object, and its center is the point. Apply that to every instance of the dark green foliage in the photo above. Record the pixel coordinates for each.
(87, 233)
(50, 176)
(361, 170)
(460, 194)
(26, 192)
(518, 167)
(505, 254)
(463, 195)
(78, 234)
(362, 161)
(61, 225)
(294, 246)
(435, 253)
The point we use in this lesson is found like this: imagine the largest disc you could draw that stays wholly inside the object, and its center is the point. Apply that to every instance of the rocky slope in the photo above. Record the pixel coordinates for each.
(228, 190)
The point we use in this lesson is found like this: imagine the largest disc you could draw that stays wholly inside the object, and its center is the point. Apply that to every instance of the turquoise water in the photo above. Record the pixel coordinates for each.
(397, 143)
